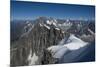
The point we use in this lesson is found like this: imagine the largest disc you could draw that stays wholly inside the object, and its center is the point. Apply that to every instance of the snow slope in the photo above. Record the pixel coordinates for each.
(32, 58)
(73, 43)
(87, 53)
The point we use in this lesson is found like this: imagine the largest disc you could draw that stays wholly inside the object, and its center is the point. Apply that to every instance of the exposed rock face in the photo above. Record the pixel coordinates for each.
(37, 40)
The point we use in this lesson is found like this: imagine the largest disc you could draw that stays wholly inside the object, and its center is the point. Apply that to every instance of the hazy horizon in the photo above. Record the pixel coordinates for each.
(21, 10)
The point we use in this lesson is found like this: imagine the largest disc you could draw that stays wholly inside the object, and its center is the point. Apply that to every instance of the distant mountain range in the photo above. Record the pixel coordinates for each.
(49, 41)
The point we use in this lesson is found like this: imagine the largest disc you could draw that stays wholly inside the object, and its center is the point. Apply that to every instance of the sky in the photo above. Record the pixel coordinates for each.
(30, 10)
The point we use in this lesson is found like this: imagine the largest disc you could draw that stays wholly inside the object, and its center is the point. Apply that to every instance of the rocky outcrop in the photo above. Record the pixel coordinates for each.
(30, 47)
(37, 40)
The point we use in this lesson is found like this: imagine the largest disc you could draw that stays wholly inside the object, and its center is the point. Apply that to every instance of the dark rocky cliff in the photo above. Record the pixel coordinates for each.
(35, 37)
(37, 40)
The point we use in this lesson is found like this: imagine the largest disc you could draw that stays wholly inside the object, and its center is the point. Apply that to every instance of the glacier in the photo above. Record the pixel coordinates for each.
(73, 43)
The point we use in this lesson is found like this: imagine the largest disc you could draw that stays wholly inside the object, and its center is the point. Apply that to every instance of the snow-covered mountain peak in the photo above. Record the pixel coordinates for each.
(52, 22)
(48, 22)
(75, 43)
(74, 38)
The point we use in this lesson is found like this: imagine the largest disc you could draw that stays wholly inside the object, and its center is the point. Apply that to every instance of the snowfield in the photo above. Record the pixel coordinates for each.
(46, 26)
(32, 59)
(73, 43)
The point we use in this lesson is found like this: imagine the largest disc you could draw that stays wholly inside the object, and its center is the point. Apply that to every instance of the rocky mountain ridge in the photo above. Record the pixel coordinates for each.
(31, 46)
